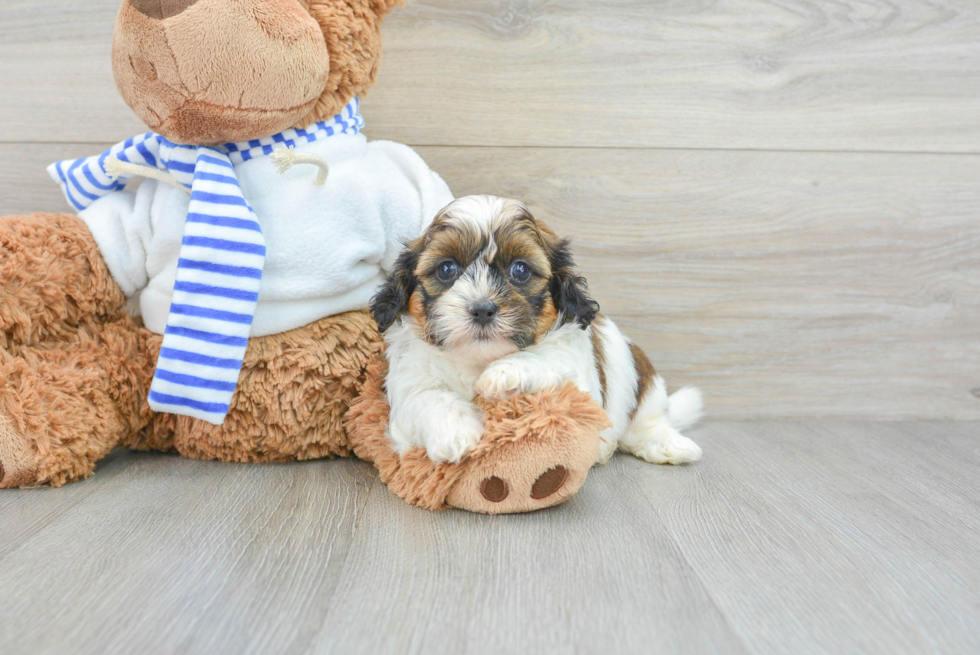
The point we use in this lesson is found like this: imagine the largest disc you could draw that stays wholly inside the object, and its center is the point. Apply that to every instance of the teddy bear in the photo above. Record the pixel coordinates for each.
(217, 309)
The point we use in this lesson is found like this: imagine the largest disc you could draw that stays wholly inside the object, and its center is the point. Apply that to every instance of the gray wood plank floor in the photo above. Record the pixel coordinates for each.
(820, 537)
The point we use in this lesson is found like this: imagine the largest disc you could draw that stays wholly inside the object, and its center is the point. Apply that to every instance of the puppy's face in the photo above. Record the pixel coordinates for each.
(486, 278)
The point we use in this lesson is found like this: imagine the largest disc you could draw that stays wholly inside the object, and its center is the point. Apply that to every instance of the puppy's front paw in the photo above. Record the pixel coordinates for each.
(455, 433)
(502, 380)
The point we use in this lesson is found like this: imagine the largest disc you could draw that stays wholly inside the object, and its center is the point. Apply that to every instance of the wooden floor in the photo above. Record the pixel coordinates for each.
(826, 537)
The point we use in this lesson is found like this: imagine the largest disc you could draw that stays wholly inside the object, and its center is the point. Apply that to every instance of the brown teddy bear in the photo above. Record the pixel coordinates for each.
(139, 322)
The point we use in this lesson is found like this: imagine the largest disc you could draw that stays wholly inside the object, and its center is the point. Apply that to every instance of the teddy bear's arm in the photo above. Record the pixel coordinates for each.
(52, 278)
(121, 226)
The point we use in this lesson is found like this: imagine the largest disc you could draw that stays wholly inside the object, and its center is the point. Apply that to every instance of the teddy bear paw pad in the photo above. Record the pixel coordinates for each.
(496, 490)
(549, 482)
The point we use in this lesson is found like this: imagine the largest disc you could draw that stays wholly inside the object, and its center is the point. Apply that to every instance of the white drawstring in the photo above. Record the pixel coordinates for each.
(116, 167)
(286, 158)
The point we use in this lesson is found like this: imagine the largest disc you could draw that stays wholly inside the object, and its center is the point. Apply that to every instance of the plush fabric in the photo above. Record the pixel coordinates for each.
(73, 362)
(291, 399)
(526, 437)
(76, 387)
(73, 400)
(352, 30)
(304, 66)
(52, 277)
(161, 8)
(183, 76)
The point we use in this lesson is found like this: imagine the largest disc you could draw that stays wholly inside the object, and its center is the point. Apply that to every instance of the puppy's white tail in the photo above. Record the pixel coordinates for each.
(685, 407)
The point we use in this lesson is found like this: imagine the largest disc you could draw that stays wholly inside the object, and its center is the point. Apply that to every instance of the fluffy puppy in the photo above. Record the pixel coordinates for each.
(487, 303)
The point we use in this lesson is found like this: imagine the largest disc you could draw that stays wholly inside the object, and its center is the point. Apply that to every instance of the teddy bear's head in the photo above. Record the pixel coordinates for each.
(205, 72)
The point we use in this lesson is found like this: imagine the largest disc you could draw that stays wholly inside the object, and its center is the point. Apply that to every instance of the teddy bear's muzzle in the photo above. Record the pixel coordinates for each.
(200, 80)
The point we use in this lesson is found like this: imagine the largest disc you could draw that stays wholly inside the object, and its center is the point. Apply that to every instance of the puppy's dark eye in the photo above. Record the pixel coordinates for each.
(447, 271)
(520, 272)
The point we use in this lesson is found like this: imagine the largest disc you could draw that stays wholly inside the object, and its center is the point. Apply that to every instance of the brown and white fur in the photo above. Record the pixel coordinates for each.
(461, 320)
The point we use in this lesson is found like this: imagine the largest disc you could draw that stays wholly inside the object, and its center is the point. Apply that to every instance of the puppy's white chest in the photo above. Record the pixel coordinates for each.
(466, 376)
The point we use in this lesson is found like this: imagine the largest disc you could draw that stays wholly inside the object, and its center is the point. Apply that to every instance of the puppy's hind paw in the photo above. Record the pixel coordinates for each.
(677, 449)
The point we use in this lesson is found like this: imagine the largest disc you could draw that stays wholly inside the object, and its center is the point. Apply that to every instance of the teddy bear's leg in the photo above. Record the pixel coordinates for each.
(536, 451)
(52, 278)
(292, 395)
(64, 404)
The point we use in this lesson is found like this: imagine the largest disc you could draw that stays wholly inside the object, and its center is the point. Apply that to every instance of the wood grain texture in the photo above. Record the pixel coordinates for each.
(784, 284)
(812, 545)
(823, 537)
(183, 556)
(22, 516)
(550, 582)
(777, 74)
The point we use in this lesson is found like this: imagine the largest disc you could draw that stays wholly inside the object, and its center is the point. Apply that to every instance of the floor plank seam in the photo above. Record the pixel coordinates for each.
(63, 509)
(533, 146)
(309, 646)
(680, 551)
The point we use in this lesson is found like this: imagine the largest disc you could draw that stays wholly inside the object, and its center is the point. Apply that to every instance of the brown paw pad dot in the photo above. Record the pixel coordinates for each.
(549, 482)
(494, 489)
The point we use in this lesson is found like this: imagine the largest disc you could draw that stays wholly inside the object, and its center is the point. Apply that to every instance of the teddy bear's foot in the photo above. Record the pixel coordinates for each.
(536, 452)
(18, 461)
(524, 476)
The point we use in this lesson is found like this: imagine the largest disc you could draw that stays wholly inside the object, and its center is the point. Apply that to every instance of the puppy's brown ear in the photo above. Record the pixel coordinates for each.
(391, 300)
(569, 292)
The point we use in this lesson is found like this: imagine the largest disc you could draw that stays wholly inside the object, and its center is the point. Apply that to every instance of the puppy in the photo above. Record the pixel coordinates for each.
(487, 303)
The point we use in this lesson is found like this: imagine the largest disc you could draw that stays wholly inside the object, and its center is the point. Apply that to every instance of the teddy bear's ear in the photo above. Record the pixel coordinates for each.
(352, 31)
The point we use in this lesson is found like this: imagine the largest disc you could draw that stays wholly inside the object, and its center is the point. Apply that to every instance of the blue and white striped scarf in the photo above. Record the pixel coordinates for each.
(222, 254)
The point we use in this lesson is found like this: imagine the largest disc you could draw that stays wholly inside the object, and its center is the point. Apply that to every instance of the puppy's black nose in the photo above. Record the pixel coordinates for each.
(483, 312)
